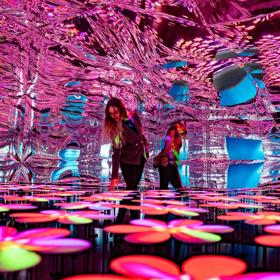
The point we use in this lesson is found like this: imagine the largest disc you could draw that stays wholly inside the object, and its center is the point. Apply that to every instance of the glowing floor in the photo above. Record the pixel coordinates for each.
(57, 232)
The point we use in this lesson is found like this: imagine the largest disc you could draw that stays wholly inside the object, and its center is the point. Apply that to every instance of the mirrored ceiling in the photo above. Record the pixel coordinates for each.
(213, 65)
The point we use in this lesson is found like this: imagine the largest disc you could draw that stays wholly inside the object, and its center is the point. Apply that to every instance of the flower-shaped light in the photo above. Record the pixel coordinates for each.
(16, 248)
(161, 194)
(224, 202)
(3, 208)
(97, 206)
(151, 209)
(100, 277)
(272, 240)
(263, 199)
(149, 231)
(234, 205)
(59, 193)
(101, 206)
(36, 198)
(159, 201)
(13, 198)
(105, 197)
(206, 196)
(198, 267)
(20, 206)
(74, 205)
(254, 276)
(219, 198)
(50, 196)
(152, 267)
(260, 218)
(63, 217)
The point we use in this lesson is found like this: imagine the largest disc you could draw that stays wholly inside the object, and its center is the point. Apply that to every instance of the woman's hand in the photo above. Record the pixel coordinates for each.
(113, 184)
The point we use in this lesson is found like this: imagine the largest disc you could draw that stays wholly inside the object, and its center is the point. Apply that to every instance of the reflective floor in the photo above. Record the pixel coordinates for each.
(62, 232)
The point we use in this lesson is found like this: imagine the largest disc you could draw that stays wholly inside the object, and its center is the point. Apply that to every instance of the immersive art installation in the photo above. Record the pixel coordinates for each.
(212, 65)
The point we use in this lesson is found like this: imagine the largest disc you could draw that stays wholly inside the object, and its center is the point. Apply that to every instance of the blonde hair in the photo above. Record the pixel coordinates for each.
(112, 130)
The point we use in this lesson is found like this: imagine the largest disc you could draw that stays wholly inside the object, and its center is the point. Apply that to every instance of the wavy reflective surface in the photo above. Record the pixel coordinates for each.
(213, 65)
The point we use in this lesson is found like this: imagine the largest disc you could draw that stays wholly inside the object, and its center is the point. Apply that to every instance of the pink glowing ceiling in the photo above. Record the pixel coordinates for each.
(61, 60)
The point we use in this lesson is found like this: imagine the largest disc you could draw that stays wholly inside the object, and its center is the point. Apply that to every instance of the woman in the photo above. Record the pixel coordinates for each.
(173, 144)
(129, 144)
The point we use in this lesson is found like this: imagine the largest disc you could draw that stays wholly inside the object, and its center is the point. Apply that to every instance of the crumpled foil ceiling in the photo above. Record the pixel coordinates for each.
(213, 65)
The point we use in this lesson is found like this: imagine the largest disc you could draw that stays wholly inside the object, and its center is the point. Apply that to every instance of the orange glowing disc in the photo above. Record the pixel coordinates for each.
(212, 266)
(268, 240)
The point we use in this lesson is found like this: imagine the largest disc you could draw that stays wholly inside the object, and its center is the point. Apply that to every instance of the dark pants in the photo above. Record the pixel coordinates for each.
(132, 175)
(169, 174)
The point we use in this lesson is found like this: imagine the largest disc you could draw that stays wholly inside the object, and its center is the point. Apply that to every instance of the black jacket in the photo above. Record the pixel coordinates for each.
(133, 147)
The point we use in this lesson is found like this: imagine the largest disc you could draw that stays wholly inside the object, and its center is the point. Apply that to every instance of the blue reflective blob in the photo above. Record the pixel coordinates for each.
(274, 172)
(73, 83)
(180, 91)
(45, 115)
(256, 72)
(75, 107)
(162, 143)
(79, 97)
(244, 149)
(72, 116)
(259, 84)
(141, 107)
(244, 117)
(69, 162)
(127, 81)
(183, 154)
(69, 154)
(246, 53)
(90, 56)
(174, 64)
(243, 92)
(167, 107)
(244, 175)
